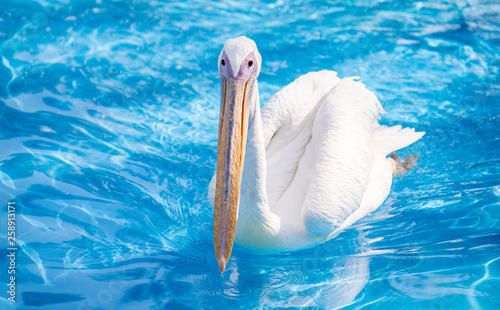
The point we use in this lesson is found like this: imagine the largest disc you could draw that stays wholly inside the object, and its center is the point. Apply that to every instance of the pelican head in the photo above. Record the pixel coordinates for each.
(239, 67)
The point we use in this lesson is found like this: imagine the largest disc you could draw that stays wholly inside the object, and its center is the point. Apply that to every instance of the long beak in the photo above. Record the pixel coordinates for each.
(233, 127)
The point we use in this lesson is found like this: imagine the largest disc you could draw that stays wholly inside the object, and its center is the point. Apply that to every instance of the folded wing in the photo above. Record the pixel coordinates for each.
(319, 150)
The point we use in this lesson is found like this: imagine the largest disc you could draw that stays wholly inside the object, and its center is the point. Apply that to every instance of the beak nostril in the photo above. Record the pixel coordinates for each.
(222, 62)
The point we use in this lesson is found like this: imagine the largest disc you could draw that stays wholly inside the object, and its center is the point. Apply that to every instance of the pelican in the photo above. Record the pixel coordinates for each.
(306, 166)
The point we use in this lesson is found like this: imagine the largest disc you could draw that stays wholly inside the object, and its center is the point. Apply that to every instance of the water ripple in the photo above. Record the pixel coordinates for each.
(108, 122)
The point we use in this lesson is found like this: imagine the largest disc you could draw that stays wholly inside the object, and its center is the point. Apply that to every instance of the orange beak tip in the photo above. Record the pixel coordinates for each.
(222, 264)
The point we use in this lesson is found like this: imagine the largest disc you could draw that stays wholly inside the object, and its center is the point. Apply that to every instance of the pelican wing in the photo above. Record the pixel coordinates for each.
(318, 133)
(287, 124)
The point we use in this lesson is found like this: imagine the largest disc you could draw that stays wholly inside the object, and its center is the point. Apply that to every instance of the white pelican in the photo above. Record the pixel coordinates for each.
(309, 164)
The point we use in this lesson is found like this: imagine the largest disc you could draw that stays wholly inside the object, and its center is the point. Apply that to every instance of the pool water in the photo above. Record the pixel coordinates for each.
(108, 128)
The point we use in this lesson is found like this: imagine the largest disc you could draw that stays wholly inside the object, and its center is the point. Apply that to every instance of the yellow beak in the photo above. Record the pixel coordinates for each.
(233, 127)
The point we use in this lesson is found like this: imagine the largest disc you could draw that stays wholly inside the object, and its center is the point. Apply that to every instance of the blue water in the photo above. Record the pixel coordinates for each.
(108, 122)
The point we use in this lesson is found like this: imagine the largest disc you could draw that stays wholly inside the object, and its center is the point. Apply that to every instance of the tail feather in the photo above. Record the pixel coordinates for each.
(389, 139)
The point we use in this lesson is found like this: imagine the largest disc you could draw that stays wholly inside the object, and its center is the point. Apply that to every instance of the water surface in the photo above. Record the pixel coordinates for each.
(108, 128)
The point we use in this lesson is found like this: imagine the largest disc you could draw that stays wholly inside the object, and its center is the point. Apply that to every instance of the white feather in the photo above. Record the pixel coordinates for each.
(390, 139)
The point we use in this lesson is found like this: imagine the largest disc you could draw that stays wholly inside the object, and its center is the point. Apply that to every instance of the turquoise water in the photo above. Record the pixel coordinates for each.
(108, 122)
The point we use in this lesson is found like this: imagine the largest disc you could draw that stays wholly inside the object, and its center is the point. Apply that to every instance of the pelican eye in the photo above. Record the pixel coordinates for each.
(250, 63)
(222, 62)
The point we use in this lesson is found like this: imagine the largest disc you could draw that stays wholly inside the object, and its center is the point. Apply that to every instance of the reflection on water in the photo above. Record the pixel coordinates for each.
(108, 121)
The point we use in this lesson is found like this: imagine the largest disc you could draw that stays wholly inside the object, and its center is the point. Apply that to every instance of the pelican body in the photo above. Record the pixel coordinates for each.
(306, 166)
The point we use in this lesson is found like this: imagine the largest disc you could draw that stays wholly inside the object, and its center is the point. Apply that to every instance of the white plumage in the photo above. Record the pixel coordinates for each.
(315, 162)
